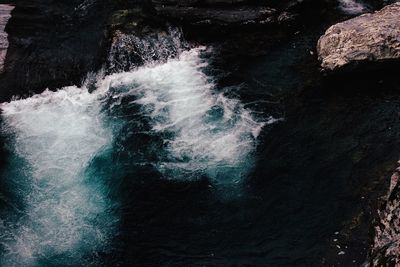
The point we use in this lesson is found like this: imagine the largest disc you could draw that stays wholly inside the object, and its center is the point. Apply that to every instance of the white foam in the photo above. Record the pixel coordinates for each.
(56, 134)
(212, 134)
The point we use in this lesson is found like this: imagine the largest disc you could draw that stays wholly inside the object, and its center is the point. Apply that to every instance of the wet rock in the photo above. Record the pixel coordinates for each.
(5, 15)
(233, 13)
(373, 37)
(138, 37)
(219, 16)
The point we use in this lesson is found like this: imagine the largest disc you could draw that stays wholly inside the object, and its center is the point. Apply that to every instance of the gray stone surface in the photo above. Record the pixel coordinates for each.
(5, 15)
(369, 37)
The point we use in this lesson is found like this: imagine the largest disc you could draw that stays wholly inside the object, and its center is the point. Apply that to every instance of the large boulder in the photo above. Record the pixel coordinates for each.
(373, 37)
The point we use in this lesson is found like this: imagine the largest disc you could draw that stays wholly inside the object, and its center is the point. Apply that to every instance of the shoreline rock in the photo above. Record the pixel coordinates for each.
(385, 248)
(5, 15)
(371, 38)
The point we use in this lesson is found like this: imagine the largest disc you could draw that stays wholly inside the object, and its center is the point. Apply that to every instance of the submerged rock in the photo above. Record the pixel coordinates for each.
(373, 37)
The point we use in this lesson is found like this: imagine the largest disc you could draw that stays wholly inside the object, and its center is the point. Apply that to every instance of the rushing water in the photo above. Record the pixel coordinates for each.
(60, 208)
(204, 132)
(65, 213)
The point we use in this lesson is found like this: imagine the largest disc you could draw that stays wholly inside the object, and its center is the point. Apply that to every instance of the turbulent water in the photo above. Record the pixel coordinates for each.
(65, 213)
(204, 132)
(61, 209)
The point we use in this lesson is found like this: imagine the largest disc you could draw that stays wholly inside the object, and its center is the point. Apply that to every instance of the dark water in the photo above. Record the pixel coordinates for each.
(161, 166)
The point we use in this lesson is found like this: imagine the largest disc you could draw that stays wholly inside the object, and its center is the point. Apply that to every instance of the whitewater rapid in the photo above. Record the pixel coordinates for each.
(205, 132)
(64, 212)
(62, 209)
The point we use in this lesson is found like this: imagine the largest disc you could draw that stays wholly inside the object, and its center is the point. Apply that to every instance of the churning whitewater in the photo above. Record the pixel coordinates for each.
(65, 213)
(61, 210)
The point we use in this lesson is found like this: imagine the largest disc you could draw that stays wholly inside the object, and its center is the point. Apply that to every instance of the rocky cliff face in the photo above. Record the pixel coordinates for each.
(371, 37)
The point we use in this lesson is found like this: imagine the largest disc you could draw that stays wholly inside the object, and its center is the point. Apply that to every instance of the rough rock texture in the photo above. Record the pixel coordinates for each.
(370, 37)
(385, 250)
(5, 15)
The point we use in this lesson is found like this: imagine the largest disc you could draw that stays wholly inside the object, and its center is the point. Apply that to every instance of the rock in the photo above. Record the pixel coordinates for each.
(385, 250)
(352, 7)
(5, 15)
(135, 46)
(372, 37)
(52, 44)
(138, 37)
(233, 12)
(218, 16)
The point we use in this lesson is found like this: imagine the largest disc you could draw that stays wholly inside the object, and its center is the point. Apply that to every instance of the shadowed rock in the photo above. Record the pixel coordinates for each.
(373, 37)
(239, 15)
